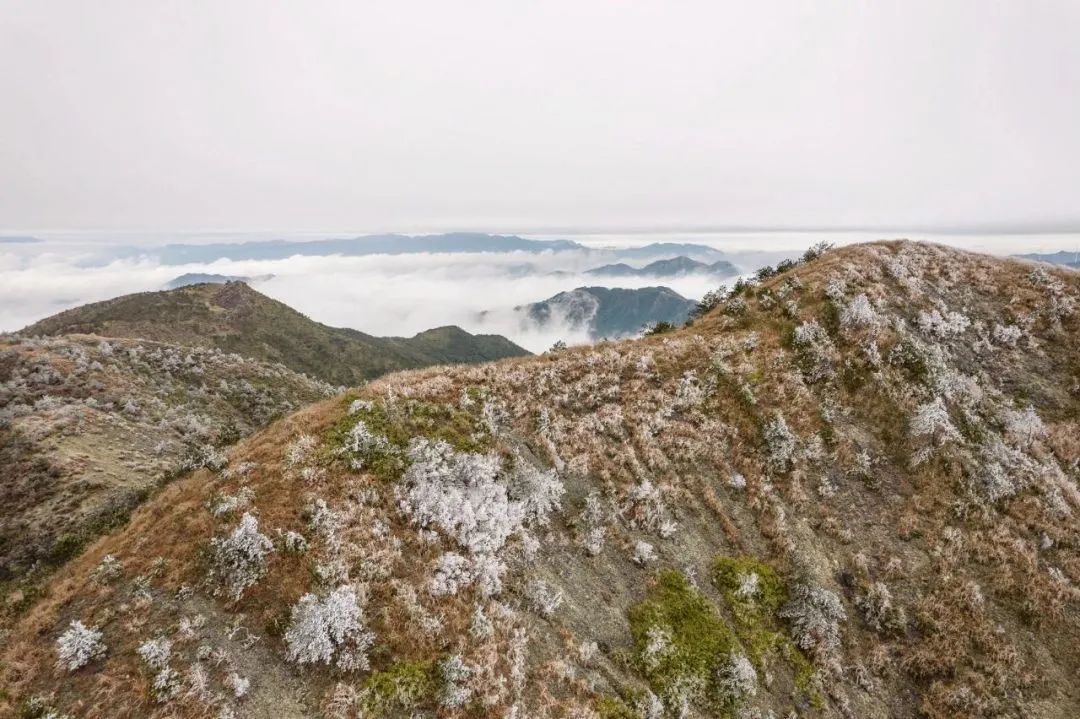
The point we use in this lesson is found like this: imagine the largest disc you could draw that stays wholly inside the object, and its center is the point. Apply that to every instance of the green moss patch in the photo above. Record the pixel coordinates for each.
(403, 687)
(696, 642)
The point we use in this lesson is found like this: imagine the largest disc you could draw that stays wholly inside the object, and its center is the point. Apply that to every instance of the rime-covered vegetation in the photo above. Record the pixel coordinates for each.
(847, 490)
(89, 427)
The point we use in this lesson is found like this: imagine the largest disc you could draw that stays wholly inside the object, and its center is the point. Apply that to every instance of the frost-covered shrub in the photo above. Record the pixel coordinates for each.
(453, 573)
(108, 570)
(323, 628)
(945, 325)
(737, 678)
(1007, 335)
(361, 441)
(543, 598)
(643, 552)
(879, 611)
(455, 672)
(240, 558)
(293, 542)
(157, 653)
(860, 314)
(1024, 427)
(77, 646)
(360, 405)
(459, 493)
(780, 443)
(539, 491)
(300, 449)
(594, 519)
(658, 645)
(815, 615)
(645, 509)
(931, 421)
(204, 456)
(239, 685)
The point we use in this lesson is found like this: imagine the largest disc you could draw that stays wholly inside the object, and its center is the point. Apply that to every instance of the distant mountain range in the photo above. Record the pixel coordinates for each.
(395, 244)
(18, 240)
(1068, 259)
(235, 318)
(610, 312)
(674, 267)
(199, 278)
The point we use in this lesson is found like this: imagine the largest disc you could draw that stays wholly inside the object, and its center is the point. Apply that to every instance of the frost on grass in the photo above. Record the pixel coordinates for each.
(455, 673)
(1024, 427)
(78, 646)
(815, 615)
(881, 614)
(240, 558)
(453, 573)
(329, 629)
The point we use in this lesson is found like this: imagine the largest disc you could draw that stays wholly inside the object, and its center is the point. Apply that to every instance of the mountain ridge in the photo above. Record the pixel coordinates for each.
(848, 490)
(235, 318)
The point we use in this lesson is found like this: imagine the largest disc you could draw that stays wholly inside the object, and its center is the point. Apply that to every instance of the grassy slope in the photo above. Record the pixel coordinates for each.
(235, 318)
(983, 619)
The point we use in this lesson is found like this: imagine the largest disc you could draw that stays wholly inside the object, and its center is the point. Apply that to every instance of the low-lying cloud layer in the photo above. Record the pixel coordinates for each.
(381, 295)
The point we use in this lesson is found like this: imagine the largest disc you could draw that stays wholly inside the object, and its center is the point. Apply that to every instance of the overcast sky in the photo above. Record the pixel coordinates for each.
(516, 116)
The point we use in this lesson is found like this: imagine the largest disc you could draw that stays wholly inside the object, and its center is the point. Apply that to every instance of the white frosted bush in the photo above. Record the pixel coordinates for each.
(859, 313)
(780, 443)
(737, 678)
(643, 552)
(543, 598)
(1024, 427)
(322, 629)
(453, 573)
(157, 653)
(881, 614)
(657, 647)
(455, 673)
(362, 441)
(459, 493)
(945, 325)
(539, 491)
(931, 421)
(77, 646)
(240, 558)
(815, 615)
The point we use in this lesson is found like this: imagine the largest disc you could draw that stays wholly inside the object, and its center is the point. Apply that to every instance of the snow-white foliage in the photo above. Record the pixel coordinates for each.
(657, 647)
(945, 325)
(881, 614)
(594, 519)
(780, 443)
(539, 491)
(689, 392)
(931, 420)
(329, 628)
(293, 542)
(1024, 427)
(643, 552)
(737, 678)
(239, 685)
(481, 627)
(453, 573)
(77, 646)
(749, 585)
(157, 653)
(107, 570)
(810, 333)
(459, 493)
(360, 405)
(815, 615)
(645, 509)
(1007, 335)
(859, 313)
(737, 481)
(300, 449)
(455, 672)
(361, 441)
(240, 558)
(543, 598)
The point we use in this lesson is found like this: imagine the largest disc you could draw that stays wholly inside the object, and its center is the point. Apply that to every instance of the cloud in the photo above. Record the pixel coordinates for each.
(381, 295)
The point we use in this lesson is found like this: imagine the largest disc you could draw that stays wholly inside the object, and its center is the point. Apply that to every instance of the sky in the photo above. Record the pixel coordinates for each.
(523, 116)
